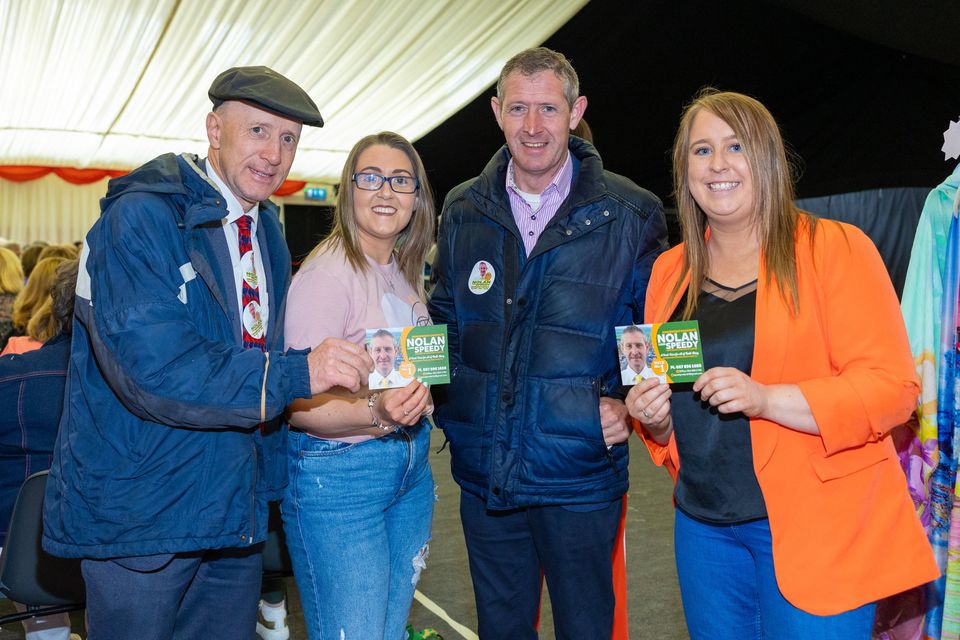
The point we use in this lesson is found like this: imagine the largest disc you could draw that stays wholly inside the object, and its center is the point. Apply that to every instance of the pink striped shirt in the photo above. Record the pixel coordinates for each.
(530, 221)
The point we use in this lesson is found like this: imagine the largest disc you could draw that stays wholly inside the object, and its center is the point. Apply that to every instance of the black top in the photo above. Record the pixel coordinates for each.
(717, 482)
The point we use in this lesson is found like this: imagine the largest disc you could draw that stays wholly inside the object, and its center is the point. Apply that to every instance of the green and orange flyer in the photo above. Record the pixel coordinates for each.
(670, 351)
(401, 354)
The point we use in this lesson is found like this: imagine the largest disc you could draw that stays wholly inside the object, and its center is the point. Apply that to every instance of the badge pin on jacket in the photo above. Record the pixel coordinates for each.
(482, 277)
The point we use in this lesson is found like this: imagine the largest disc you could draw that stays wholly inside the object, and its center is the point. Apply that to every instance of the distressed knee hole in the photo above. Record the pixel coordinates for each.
(420, 562)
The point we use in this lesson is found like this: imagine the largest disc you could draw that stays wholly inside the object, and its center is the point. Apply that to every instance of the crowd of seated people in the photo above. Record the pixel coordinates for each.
(25, 316)
(31, 400)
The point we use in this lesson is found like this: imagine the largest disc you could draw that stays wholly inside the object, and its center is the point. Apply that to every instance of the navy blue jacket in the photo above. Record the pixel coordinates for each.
(31, 398)
(532, 355)
(159, 450)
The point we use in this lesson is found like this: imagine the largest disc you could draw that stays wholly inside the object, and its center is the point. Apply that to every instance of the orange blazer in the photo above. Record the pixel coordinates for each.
(845, 531)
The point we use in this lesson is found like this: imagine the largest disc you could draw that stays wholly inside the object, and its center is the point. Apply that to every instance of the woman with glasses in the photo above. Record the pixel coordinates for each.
(360, 498)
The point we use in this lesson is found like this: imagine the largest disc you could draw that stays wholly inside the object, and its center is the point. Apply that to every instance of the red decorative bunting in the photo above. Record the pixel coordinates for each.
(25, 173)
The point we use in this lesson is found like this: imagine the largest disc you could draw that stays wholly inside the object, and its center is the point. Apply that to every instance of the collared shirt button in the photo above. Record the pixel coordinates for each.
(509, 300)
(606, 213)
(530, 233)
(533, 217)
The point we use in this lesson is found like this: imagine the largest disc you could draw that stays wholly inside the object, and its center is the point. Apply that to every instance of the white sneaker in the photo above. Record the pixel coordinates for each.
(272, 622)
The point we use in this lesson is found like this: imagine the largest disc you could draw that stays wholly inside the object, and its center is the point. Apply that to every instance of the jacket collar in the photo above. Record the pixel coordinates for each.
(571, 220)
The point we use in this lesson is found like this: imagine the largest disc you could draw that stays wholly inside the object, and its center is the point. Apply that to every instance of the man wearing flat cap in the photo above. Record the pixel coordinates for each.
(171, 444)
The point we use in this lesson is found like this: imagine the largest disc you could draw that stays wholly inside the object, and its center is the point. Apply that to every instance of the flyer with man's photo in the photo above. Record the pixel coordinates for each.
(401, 354)
(670, 351)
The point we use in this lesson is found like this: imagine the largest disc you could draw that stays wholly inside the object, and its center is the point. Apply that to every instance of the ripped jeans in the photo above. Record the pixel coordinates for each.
(357, 520)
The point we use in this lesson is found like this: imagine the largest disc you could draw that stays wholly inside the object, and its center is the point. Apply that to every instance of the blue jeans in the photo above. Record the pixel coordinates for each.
(357, 520)
(730, 592)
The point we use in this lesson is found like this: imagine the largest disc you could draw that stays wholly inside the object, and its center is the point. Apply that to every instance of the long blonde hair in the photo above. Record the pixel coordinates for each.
(55, 314)
(775, 214)
(11, 273)
(413, 242)
(36, 292)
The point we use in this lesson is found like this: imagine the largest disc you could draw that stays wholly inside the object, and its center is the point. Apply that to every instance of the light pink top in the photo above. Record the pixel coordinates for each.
(329, 299)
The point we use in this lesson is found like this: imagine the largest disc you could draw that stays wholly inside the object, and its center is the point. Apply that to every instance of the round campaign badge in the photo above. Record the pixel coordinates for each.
(481, 277)
(252, 321)
(248, 269)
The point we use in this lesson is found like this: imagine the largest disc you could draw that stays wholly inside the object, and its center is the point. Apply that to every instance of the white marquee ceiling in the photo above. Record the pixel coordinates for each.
(112, 83)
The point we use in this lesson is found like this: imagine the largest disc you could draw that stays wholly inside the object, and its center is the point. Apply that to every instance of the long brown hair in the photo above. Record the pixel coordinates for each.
(776, 217)
(412, 243)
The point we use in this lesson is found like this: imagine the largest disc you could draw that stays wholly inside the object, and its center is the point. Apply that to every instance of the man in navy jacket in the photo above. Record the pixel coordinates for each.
(539, 258)
(170, 445)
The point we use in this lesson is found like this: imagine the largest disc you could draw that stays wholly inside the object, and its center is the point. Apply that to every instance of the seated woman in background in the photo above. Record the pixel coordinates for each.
(65, 251)
(792, 512)
(359, 502)
(31, 400)
(30, 256)
(11, 282)
(32, 322)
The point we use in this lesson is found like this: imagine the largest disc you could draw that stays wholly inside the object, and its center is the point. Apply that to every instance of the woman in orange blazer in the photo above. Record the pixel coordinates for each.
(792, 516)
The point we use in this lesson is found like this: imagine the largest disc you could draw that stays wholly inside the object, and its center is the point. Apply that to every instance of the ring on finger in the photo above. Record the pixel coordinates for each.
(646, 414)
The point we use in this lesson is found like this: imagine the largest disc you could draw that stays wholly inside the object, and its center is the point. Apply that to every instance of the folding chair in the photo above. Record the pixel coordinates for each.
(28, 574)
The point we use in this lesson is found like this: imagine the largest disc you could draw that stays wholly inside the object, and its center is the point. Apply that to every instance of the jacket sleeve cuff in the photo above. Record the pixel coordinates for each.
(845, 420)
(295, 375)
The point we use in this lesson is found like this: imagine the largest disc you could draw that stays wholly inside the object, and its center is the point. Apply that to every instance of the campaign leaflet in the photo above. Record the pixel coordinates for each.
(401, 354)
(670, 351)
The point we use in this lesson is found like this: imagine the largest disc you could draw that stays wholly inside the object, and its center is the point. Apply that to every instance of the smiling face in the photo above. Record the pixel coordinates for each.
(718, 173)
(382, 215)
(383, 350)
(251, 149)
(536, 121)
(633, 345)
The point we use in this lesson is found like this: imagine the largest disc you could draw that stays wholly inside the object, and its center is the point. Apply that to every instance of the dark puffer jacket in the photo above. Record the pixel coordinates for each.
(533, 351)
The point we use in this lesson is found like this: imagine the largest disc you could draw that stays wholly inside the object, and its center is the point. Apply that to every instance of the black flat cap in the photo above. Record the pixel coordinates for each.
(265, 88)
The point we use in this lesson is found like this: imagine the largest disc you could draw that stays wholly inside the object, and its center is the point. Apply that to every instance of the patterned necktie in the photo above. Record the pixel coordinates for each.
(251, 321)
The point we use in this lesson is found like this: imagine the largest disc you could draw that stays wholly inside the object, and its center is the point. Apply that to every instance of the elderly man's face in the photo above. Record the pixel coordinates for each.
(634, 348)
(384, 352)
(536, 121)
(251, 149)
